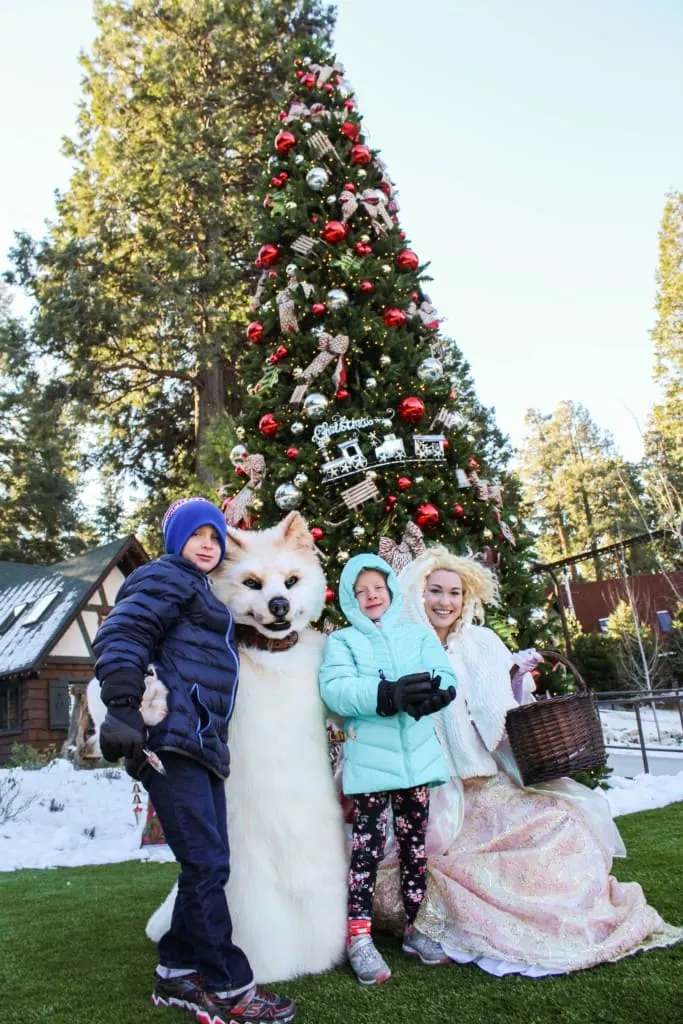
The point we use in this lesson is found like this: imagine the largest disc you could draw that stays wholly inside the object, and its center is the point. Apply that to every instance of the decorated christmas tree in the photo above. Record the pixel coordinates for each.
(359, 414)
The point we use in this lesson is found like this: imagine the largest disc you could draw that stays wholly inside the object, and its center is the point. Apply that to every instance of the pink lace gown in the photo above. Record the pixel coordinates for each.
(518, 878)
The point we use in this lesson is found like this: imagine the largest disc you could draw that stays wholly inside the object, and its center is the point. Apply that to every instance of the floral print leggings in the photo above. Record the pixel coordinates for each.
(410, 809)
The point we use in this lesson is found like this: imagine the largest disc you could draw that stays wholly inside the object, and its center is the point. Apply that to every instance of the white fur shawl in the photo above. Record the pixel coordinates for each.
(474, 724)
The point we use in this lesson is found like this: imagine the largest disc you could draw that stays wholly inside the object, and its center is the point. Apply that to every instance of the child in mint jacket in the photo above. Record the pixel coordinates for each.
(385, 678)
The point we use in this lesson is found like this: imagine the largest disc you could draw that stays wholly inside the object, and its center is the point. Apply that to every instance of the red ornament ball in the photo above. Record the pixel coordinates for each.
(284, 141)
(350, 129)
(403, 483)
(341, 394)
(269, 425)
(328, 87)
(334, 231)
(349, 187)
(360, 154)
(362, 248)
(279, 353)
(366, 287)
(472, 463)
(458, 511)
(411, 409)
(317, 533)
(349, 104)
(268, 256)
(394, 317)
(427, 516)
(391, 500)
(318, 309)
(292, 452)
(407, 260)
(386, 187)
(445, 444)
(283, 115)
(329, 594)
(240, 471)
(255, 332)
(308, 80)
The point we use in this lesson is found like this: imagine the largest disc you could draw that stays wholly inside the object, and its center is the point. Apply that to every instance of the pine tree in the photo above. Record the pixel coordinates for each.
(41, 518)
(580, 493)
(139, 283)
(663, 469)
(360, 414)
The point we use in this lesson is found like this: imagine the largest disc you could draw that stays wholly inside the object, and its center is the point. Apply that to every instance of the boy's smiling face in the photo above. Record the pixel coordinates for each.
(372, 593)
(203, 549)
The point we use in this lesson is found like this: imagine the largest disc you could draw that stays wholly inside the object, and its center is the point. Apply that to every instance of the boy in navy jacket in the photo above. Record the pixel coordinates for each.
(166, 615)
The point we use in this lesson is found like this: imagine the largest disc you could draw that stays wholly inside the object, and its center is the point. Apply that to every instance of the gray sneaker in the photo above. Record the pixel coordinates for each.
(429, 951)
(368, 964)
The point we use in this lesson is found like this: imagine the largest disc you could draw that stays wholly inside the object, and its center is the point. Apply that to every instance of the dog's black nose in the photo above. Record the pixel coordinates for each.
(279, 606)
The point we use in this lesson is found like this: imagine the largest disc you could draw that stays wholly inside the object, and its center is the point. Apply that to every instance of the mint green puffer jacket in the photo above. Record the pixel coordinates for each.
(381, 753)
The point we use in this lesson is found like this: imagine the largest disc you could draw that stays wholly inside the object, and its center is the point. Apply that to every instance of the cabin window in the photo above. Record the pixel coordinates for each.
(10, 708)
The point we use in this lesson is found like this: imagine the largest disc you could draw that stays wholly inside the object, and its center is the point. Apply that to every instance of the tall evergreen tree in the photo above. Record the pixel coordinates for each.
(360, 414)
(140, 281)
(663, 469)
(578, 490)
(41, 519)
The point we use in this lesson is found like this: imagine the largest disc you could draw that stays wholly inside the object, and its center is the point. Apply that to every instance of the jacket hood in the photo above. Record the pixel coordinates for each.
(347, 598)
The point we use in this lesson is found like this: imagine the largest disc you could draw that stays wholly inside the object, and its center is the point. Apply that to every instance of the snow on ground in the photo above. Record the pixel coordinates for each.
(62, 817)
(620, 726)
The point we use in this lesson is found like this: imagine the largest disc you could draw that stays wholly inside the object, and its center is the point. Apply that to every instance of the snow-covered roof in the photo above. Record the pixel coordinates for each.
(38, 602)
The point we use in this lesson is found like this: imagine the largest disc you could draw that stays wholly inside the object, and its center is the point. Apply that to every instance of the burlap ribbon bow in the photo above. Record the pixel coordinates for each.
(374, 202)
(235, 509)
(400, 554)
(331, 348)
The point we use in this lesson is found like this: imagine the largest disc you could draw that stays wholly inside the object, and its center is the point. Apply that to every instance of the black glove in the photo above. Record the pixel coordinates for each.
(436, 701)
(123, 732)
(405, 692)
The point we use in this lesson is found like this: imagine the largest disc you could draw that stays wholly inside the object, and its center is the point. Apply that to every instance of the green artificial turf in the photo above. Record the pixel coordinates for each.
(73, 950)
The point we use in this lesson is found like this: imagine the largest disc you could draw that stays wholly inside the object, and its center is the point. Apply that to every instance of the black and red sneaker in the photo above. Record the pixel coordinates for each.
(185, 992)
(254, 1006)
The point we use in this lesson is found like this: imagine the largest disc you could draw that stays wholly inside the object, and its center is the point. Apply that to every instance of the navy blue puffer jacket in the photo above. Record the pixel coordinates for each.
(166, 615)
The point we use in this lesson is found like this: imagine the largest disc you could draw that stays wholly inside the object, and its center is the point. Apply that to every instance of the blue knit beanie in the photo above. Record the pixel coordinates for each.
(185, 516)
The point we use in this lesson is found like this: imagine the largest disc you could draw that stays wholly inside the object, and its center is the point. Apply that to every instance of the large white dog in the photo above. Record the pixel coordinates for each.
(287, 887)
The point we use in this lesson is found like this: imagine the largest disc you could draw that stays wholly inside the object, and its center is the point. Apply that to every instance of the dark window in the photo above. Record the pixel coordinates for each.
(10, 708)
(59, 705)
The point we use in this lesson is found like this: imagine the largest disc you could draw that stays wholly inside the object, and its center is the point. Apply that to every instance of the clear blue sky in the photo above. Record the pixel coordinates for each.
(532, 143)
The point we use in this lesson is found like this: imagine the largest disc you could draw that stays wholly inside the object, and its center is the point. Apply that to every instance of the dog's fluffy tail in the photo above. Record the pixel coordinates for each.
(160, 921)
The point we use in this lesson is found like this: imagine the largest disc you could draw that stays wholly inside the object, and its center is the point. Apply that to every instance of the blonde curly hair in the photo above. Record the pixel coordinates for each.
(479, 584)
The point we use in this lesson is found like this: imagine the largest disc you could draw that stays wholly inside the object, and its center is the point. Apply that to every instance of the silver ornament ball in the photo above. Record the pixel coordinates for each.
(358, 532)
(287, 497)
(298, 159)
(371, 383)
(291, 269)
(331, 200)
(317, 178)
(307, 126)
(336, 298)
(300, 479)
(430, 370)
(315, 405)
(385, 360)
(240, 433)
(297, 428)
(342, 556)
(291, 205)
(237, 454)
(361, 173)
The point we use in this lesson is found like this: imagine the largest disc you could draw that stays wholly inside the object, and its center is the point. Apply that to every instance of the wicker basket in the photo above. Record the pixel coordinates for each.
(556, 736)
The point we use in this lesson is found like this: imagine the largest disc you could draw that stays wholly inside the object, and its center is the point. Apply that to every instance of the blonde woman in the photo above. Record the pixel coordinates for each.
(518, 878)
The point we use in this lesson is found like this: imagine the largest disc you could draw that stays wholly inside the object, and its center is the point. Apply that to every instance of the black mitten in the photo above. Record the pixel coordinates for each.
(436, 701)
(405, 692)
(123, 732)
